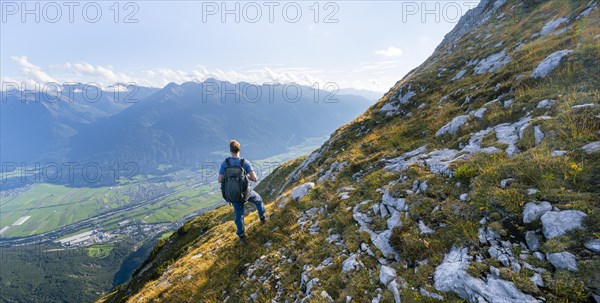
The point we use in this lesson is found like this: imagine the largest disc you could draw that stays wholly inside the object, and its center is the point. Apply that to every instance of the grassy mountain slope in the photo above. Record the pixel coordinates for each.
(462, 191)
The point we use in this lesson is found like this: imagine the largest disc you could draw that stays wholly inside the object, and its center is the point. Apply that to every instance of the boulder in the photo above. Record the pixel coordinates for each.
(537, 280)
(382, 242)
(563, 260)
(452, 275)
(397, 203)
(552, 25)
(557, 223)
(310, 285)
(395, 289)
(480, 113)
(459, 75)
(532, 211)
(584, 106)
(591, 148)
(492, 63)
(532, 241)
(538, 255)
(300, 191)
(546, 103)
(388, 107)
(394, 221)
(538, 134)
(549, 63)
(511, 133)
(386, 275)
(350, 263)
(593, 245)
(453, 126)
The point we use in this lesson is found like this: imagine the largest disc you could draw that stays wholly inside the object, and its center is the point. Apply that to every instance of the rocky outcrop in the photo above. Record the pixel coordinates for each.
(533, 242)
(453, 126)
(593, 245)
(557, 223)
(549, 64)
(552, 25)
(563, 260)
(591, 148)
(470, 20)
(387, 277)
(300, 191)
(452, 275)
(532, 211)
(492, 63)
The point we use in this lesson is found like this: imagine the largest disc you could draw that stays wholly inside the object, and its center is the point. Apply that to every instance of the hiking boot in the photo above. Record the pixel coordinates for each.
(242, 239)
(263, 220)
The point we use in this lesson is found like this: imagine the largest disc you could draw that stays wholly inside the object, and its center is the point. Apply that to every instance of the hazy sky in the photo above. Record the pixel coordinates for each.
(360, 44)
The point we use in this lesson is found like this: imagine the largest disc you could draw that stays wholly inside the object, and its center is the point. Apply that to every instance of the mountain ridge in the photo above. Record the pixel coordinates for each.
(185, 123)
(179, 125)
(472, 179)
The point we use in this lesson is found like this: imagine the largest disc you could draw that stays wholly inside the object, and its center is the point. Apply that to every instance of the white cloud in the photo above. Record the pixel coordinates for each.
(33, 74)
(101, 74)
(363, 75)
(389, 52)
(163, 76)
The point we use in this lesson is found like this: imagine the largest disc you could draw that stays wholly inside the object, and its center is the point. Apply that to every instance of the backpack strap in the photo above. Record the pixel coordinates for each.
(242, 163)
(227, 162)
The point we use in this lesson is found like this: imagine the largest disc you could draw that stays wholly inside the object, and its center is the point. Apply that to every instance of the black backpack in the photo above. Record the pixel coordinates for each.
(234, 185)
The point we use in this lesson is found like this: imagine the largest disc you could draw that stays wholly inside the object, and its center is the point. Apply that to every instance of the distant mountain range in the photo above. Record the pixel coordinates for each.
(369, 94)
(183, 124)
(37, 126)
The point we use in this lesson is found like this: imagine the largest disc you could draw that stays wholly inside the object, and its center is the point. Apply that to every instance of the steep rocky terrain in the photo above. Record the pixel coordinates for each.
(475, 178)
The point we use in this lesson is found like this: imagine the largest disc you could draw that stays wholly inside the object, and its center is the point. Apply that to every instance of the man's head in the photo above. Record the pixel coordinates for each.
(234, 147)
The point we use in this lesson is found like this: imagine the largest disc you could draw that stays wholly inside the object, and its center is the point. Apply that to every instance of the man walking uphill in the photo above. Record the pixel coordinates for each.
(233, 176)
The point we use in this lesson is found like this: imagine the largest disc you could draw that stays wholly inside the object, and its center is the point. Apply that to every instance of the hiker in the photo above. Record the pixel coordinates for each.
(233, 176)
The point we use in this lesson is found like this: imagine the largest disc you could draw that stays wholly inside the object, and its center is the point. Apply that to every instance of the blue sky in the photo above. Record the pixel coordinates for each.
(365, 45)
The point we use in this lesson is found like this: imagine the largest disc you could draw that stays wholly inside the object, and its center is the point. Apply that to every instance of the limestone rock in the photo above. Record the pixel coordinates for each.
(532, 241)
(492, 63)
(350, 264)
(557, 223)
(300, 191)
(591, 148)
(549, 64)
(532, 211)
(453, 126)
(563, 260)
(593, 245)
(452, 275)
(546, 103)
(386, 275)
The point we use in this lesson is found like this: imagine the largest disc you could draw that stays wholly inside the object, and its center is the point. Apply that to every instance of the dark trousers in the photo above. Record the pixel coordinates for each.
(238, 210)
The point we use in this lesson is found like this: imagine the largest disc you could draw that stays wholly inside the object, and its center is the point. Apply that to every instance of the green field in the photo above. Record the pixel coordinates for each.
(100, 250)
(50, 206)
(169, 209)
